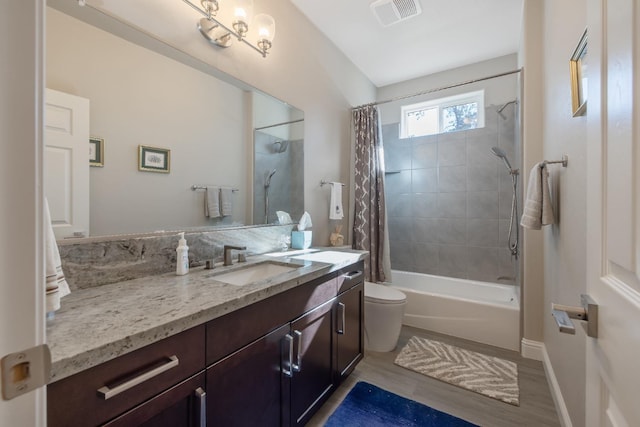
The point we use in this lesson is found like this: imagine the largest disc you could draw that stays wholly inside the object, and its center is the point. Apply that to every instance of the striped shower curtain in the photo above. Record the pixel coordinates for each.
(370, 222)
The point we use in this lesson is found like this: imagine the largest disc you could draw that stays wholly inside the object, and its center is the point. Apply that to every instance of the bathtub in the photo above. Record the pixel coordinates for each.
(484, 312)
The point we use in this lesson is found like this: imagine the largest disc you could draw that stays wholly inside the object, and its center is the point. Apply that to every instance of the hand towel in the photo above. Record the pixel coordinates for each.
(212, 202)
(226, 201)
(537, 207)
(56, 284)
(335, 210)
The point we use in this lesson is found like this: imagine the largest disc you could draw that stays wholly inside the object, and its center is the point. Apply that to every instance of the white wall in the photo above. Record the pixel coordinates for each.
(565, 242)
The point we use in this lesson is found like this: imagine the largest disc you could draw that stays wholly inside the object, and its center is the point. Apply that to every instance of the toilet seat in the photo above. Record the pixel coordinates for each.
(381, 294)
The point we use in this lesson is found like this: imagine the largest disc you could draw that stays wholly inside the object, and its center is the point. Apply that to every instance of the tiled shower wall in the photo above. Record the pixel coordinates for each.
(449, 200)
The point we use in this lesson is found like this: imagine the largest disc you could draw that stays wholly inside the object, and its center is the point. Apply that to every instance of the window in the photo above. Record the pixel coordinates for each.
(450, 114)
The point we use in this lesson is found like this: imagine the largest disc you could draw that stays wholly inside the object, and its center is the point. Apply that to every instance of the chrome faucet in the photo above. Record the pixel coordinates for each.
(227, 254)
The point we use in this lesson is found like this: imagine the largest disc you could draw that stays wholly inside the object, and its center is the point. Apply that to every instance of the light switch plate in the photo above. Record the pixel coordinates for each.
(25, 371)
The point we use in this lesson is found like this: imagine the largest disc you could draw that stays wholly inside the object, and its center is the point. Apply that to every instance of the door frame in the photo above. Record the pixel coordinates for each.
(22, 298)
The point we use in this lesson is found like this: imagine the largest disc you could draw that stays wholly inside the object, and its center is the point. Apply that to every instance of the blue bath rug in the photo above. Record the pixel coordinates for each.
(369, 406)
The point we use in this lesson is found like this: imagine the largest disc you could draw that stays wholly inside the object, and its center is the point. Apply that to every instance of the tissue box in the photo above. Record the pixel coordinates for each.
(301, 239)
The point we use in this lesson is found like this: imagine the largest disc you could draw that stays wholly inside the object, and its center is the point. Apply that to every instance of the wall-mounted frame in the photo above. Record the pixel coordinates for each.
(153, 159)
(578, 66)
(96, 151)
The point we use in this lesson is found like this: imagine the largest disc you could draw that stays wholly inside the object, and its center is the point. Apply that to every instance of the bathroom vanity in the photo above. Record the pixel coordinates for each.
(269, 352)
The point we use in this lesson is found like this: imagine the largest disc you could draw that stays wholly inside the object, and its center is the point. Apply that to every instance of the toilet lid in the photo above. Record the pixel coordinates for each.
(383, 294)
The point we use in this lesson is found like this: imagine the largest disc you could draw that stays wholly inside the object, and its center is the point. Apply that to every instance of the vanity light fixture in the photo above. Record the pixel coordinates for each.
(212, 29)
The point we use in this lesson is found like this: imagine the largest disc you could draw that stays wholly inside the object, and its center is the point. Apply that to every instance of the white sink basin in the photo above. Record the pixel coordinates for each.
(253, 273)
(329, 257)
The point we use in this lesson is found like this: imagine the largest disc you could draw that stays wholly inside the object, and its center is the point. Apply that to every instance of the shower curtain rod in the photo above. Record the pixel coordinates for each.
(399, 98)
(280, 124)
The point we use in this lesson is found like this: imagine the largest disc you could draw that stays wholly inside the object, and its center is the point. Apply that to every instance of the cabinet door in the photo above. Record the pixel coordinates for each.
(181, 406)
(245, 388)
(349, 330)
(312, 379)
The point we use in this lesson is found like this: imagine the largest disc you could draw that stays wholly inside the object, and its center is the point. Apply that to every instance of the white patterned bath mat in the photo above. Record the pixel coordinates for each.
(487, 375)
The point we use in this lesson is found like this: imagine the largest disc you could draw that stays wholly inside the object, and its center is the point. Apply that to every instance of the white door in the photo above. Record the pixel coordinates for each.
(613, 212)
(66, 163)
(21, 242)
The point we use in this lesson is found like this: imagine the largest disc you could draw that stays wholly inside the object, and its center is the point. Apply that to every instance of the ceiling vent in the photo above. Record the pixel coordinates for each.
(391, 12)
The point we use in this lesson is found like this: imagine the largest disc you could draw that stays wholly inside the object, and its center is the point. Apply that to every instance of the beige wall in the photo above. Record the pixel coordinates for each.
(565, 242)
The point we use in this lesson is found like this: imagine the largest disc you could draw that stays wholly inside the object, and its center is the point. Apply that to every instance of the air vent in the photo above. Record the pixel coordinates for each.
(391, 12)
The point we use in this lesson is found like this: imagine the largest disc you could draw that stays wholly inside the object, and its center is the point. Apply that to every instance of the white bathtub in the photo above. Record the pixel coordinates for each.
(484, 312)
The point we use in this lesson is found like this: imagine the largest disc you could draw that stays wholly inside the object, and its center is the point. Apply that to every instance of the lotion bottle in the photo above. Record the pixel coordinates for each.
(182, 259)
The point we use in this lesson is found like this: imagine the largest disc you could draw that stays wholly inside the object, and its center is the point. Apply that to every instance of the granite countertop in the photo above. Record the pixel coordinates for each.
(98, 324)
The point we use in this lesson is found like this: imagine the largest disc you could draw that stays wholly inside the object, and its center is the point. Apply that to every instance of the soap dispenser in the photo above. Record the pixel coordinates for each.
(182, 259)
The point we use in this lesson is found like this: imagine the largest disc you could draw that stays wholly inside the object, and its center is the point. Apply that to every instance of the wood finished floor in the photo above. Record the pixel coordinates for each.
(536, 404)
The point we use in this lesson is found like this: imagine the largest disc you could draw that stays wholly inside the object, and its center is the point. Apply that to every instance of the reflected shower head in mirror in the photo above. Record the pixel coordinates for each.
(499, 152)
(267, 181)
(280, 146)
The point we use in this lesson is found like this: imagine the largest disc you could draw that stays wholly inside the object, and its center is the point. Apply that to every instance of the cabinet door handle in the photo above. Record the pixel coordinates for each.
(288, 369)
(108, 393)
(201, 395)
(343, 310)
(298, 366)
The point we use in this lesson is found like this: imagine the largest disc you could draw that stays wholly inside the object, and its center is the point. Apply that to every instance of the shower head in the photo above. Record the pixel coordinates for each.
(267, 181)
(499, 152)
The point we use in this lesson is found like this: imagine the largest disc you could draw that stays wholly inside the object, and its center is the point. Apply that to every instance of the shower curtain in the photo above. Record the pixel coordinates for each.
(370, 220)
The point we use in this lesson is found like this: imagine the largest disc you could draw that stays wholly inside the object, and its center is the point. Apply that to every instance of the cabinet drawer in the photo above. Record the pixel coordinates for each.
(234, 330)
(108, 390)
(350, 276)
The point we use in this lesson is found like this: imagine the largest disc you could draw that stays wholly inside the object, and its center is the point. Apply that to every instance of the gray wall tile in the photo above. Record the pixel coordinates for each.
(482, 264)
(398, 205)
(397, 155)
(482, 178)
(452, 259)
(452, 152)
(452, 231)
(482, 204)
(425, 230)
(452, 178)
(400, 229)
(482, 232)
(425, 205)
(425, 154)
(452, 205)
(424, 180)
(397, 183)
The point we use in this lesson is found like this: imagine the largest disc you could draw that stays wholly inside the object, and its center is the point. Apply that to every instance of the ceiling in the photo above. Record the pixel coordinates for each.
(447, 34)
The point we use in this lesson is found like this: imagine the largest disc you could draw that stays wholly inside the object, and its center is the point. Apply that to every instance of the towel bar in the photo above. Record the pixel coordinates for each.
(564, 161)
(323, 182)
(195, 187)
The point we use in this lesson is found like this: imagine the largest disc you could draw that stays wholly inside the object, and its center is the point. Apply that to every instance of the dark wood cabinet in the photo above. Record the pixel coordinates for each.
(272, 363)
(245, 388)
(311, 381)
(181, 406)
(349, 330)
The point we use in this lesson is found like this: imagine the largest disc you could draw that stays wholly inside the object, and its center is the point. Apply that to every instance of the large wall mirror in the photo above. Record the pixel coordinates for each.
(220, 132)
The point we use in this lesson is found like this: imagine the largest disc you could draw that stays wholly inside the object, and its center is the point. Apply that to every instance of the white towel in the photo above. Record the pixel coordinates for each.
(537, 207)
(212, 202)
(226, 201)
(56, 284)
(335, 210)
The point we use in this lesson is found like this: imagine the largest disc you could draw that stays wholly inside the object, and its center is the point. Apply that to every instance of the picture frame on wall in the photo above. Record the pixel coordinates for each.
(154, 159)
(96, 151)
(578, 67)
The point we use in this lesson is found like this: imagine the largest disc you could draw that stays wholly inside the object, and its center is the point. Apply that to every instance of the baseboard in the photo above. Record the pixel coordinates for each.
(532, 349)
(561, 407)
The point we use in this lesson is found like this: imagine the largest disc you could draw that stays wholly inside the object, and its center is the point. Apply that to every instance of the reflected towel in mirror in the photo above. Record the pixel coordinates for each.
(226, 201)
(56, 284)
(212, 202)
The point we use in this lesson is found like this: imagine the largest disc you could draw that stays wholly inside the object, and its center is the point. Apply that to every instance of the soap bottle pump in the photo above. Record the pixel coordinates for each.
(182, 259)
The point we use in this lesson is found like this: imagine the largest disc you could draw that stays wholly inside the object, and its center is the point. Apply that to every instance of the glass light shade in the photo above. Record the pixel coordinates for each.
(266, 27)
(242, 10)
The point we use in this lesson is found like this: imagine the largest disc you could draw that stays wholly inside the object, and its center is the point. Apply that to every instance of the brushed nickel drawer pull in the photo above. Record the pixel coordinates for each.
(108, 393)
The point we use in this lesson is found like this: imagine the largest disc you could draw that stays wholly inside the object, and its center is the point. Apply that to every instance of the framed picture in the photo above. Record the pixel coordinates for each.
(153, 159)
(96, 151)
(578, 65)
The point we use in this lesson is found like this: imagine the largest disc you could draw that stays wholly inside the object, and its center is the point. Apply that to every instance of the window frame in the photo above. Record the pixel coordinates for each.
(440, 104)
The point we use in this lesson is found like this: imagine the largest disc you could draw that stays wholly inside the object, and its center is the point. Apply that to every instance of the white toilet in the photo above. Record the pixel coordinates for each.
(383, 311)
